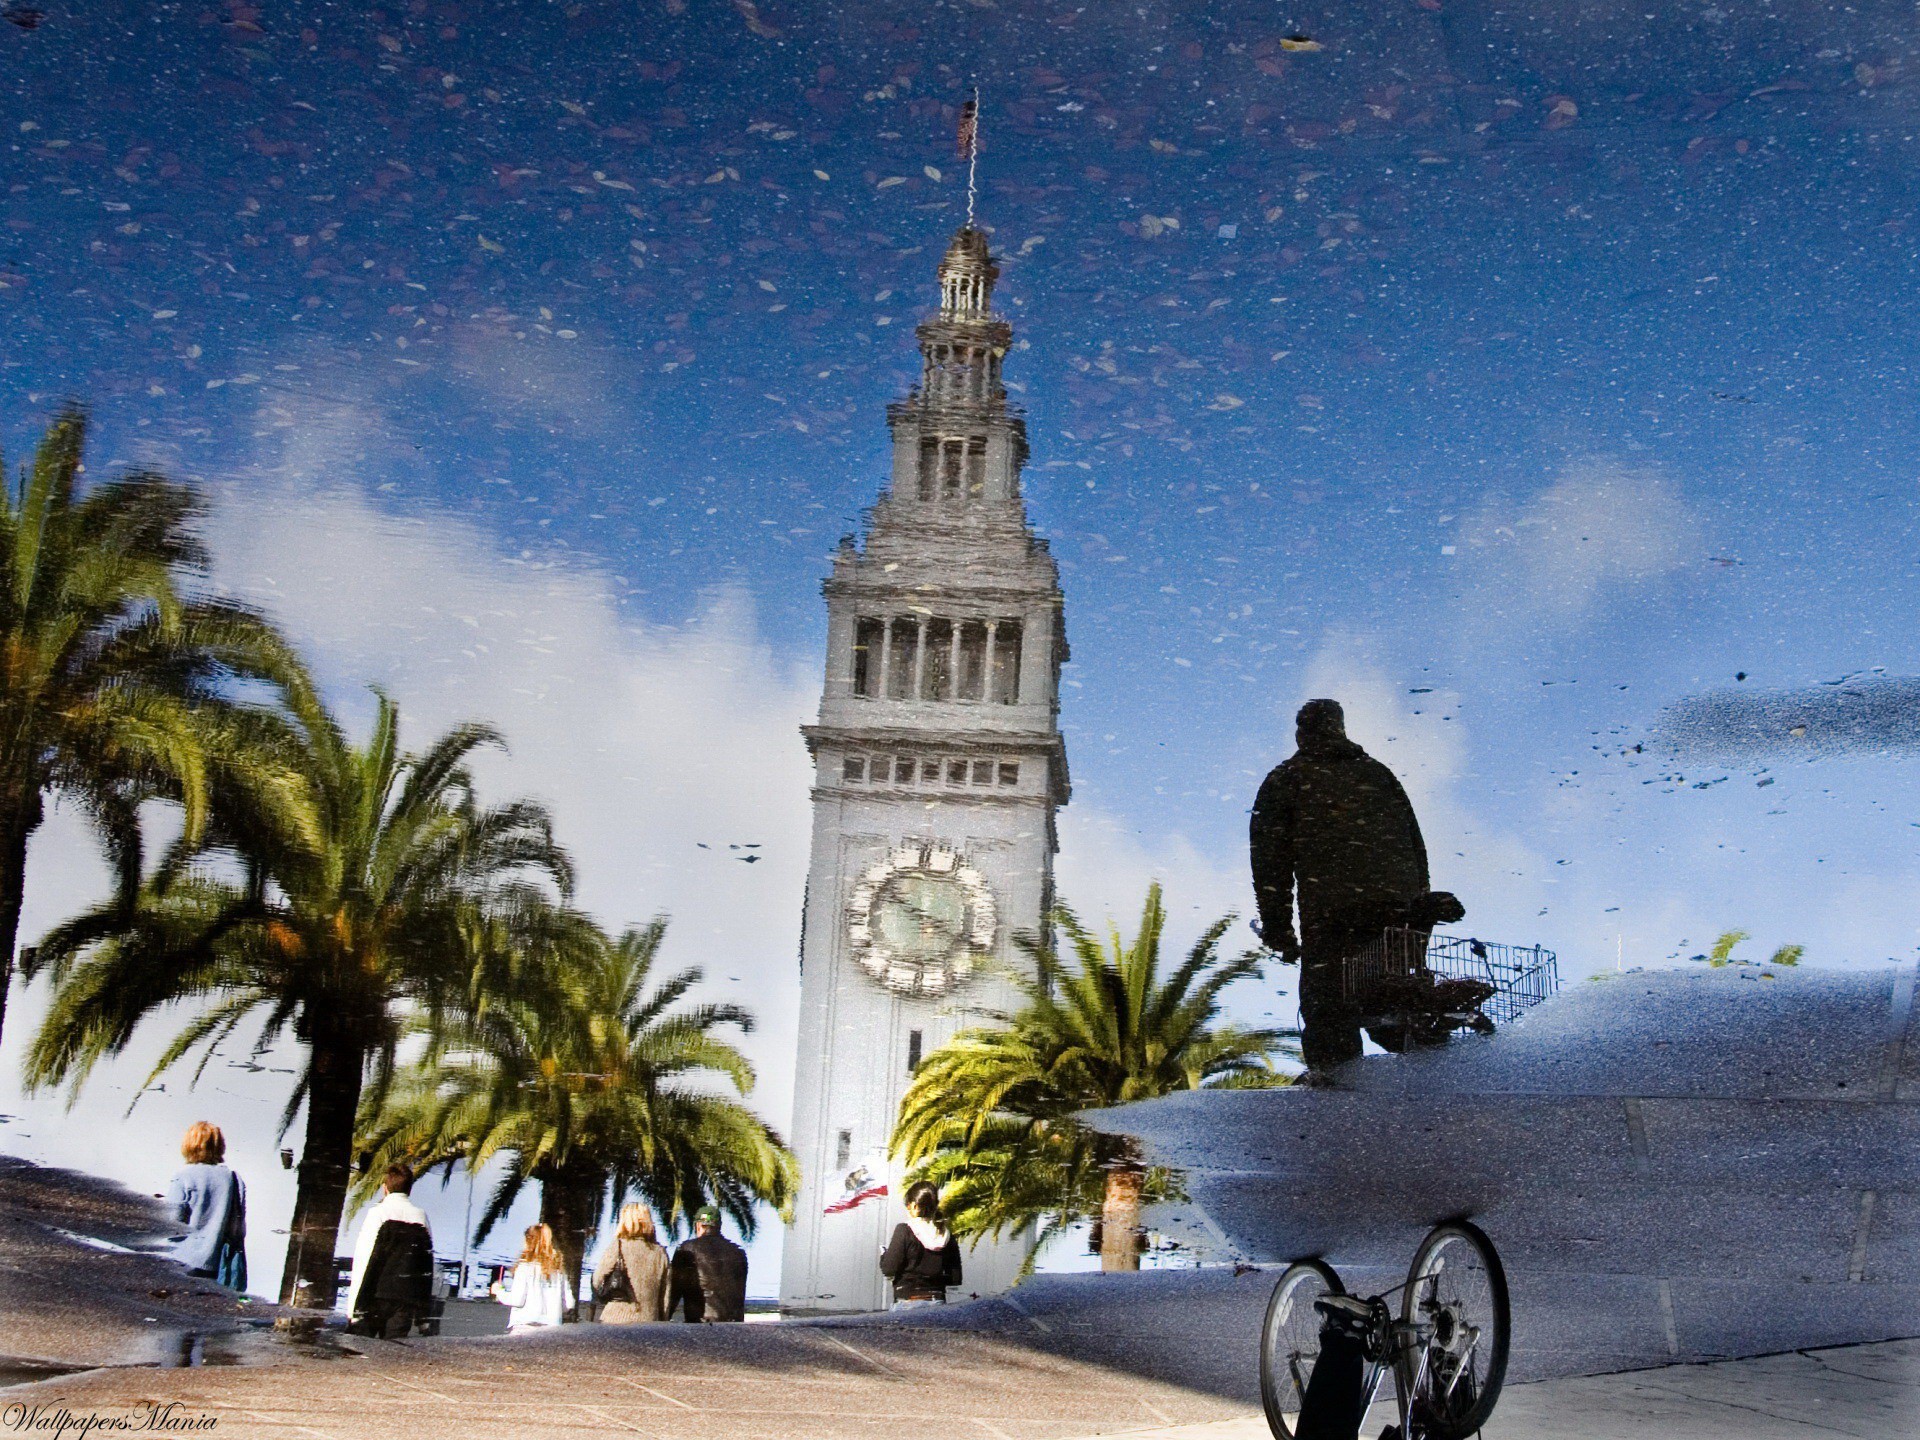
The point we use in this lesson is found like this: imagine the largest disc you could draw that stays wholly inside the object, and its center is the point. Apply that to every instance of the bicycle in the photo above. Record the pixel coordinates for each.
(1324, 1353)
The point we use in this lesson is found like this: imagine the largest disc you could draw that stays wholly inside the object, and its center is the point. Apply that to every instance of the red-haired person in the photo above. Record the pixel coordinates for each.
(539, 1293)
(211, 1201)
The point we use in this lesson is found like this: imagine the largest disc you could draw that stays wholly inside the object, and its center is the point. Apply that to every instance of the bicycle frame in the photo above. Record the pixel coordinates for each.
(1444, 1332)
(1389, 1344)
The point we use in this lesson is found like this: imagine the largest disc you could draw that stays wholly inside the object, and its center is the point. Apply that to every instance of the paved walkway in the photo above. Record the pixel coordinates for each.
(77, 1286)
(1676, 1166)
(810, 1382)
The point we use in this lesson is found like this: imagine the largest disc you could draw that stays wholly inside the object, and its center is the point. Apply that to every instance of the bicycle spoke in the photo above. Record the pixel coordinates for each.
(1456, 1290)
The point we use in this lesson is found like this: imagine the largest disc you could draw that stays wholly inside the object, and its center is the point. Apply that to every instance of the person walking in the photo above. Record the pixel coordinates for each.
(630, 1278)
(539, 1293)
(922, 1259)
(1335, 822)
(709, 1278)
(391, 1287)
(211, 1201)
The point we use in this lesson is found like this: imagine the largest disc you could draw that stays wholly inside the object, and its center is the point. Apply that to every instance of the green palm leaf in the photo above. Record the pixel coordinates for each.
(585, 1073)
(990, 1116)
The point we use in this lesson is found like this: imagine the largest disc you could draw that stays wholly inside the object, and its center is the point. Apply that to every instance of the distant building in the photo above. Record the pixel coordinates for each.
(938, 767)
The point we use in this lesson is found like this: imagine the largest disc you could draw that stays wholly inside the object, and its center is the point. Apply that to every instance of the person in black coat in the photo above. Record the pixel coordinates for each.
(708, 1277)
(392, 1285)
(922, 1259)
(1335, 823)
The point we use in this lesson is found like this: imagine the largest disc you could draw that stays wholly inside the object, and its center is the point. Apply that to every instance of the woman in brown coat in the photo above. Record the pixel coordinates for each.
(636, 1257)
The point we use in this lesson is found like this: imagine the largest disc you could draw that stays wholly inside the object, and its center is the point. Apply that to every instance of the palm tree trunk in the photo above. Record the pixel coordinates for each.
(1120, 1217)
(16, 824)
(570, 1206)
(335, 1067)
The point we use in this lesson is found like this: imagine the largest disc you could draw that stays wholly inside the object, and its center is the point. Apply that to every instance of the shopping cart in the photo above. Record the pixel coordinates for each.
(1420, 987)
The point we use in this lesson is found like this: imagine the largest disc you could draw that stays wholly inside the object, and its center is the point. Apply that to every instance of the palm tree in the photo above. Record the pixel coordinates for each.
(587, 1076)
(347, 920)
(990, 1116)
(112, 676)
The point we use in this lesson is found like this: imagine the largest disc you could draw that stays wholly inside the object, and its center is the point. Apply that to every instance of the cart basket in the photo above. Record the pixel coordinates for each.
(1475, 982)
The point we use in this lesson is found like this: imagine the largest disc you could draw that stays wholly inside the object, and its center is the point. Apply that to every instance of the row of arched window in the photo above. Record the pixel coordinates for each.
(922, 771)
(916, 657)
(961, 373)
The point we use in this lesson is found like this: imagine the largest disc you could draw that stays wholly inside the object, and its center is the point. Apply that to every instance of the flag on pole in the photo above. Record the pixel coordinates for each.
(862, 1183)
(969, 135)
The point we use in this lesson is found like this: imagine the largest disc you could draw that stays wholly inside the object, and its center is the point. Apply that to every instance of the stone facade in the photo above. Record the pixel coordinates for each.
(938, 769)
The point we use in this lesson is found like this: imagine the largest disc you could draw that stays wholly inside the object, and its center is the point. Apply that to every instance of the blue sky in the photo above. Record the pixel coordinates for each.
(1511, 372)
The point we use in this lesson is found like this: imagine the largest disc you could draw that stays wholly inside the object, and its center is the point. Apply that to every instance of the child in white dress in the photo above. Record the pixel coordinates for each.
(537, 1293)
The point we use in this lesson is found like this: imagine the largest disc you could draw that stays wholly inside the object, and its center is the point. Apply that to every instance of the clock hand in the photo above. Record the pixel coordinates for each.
(930, 921)
(950, 932)
(931, 925)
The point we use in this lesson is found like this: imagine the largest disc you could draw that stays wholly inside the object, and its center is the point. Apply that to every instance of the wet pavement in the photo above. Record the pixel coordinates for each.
(1682, 1165)
(85, 1280)
(1717, 1189)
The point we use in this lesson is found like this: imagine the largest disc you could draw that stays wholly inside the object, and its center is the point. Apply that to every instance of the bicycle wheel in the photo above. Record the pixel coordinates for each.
(1290, 1340)
(1457, 1293)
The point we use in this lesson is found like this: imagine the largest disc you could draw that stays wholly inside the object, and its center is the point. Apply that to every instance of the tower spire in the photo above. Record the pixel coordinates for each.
(970, 147)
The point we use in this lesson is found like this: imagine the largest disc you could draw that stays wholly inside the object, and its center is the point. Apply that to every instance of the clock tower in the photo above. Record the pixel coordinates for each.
(938, 766)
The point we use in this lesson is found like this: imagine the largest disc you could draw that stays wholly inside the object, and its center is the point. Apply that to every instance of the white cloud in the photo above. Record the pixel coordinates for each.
(645, 740)
(1105, 866)
(570, 383)
(1598, 532)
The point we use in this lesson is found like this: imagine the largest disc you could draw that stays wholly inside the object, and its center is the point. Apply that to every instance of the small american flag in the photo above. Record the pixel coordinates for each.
(969, 133)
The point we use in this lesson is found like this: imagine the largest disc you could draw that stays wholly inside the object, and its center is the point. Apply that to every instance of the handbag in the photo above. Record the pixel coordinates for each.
(616, 1284)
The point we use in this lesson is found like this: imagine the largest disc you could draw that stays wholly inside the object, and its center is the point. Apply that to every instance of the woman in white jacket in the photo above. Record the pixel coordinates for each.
(538, 1293)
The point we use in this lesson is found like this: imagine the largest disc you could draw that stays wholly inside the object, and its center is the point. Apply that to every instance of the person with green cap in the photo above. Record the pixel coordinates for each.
(709, 1276)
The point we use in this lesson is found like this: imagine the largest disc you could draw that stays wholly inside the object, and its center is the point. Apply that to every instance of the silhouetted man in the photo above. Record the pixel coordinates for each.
(1334, 821)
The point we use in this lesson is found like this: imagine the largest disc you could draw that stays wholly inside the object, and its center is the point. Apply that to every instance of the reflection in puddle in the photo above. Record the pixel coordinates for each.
(260, 1345)
(24, 1372)
(190, 1348)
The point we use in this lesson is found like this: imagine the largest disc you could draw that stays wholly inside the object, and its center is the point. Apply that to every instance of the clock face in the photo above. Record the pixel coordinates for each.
(920, 919)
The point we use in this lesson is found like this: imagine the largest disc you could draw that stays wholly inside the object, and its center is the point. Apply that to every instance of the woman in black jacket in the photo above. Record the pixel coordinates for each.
(922, 1259)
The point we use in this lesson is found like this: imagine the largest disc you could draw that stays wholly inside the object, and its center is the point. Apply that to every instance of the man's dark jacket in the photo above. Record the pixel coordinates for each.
(709, 1277)
(400, 1269)
(1335, 821)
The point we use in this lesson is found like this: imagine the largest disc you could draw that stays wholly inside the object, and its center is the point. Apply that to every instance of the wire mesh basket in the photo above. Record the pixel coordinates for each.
(1408, 967)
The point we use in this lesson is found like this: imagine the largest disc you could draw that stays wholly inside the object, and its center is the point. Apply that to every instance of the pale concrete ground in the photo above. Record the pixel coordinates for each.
(1863, 1390)
(1853, 1391)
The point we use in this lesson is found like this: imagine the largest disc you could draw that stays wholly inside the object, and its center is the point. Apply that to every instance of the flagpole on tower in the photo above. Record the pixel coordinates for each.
(970, 146)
